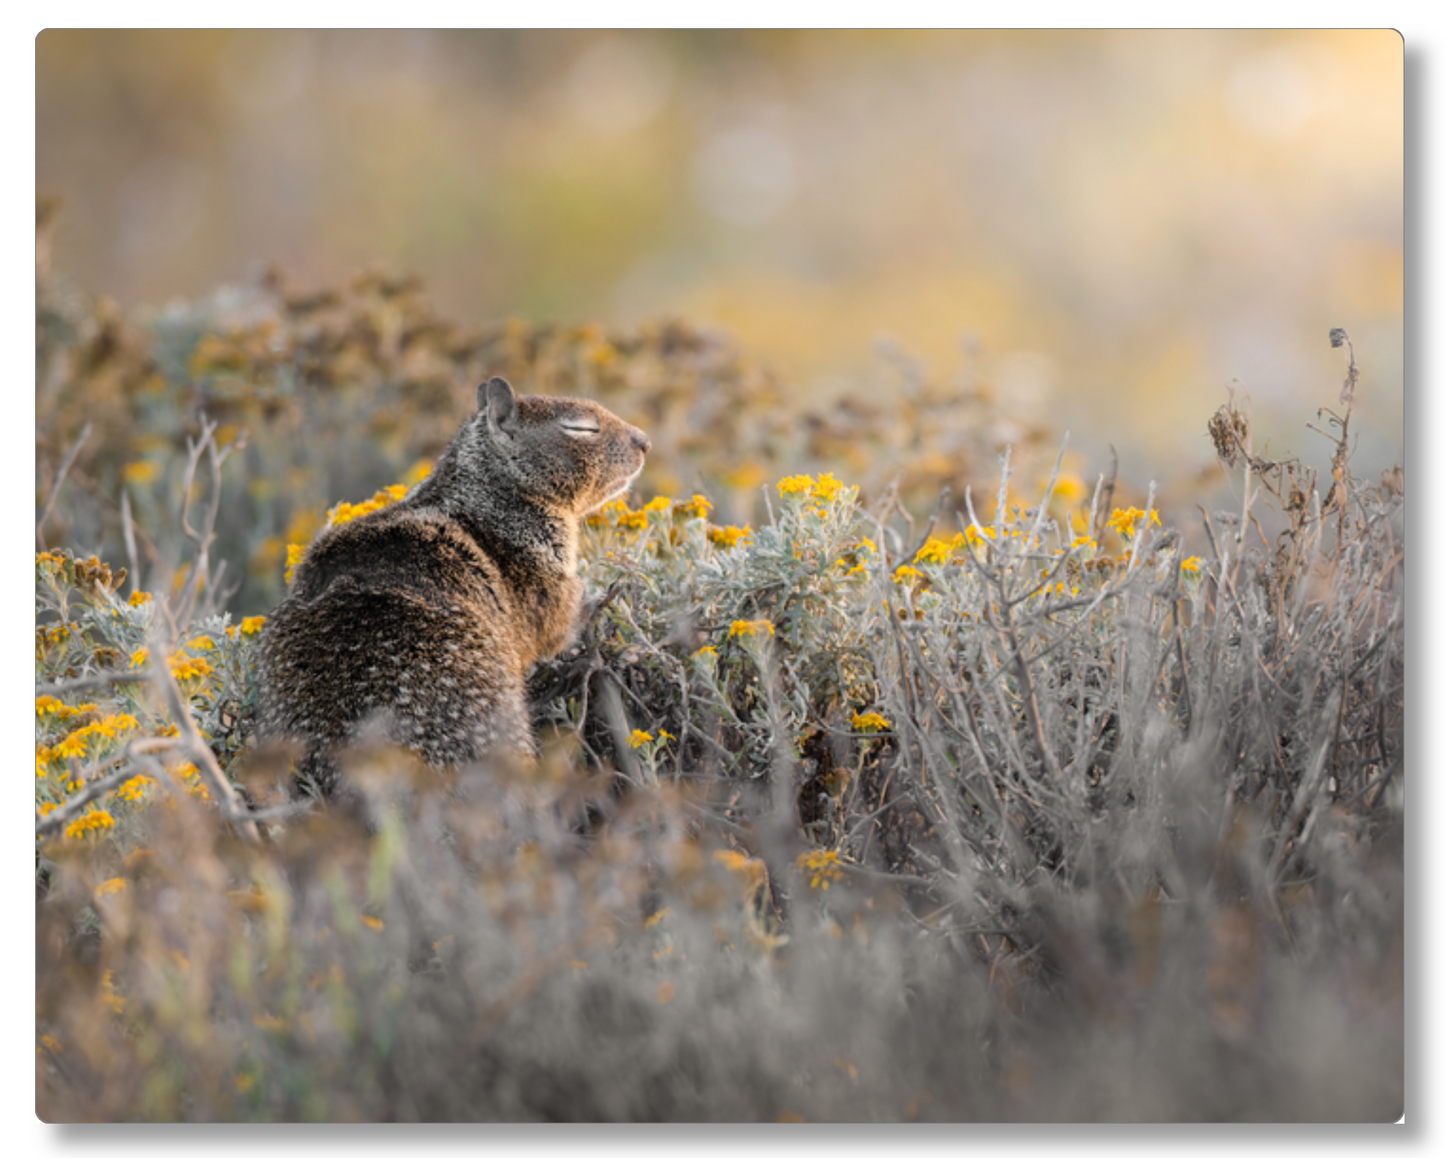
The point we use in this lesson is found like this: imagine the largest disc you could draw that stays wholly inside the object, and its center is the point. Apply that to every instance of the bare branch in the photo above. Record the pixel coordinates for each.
(65, 466)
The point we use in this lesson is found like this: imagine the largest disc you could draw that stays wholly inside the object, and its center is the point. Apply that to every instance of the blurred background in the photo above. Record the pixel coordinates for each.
(1109, 229)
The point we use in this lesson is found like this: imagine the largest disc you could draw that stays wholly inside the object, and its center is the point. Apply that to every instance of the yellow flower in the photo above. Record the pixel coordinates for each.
(96, 820)
(1126, 522)
(975, 536)
(822, 867)
(639, 738)
(138, 472)
(657, 504)
(139, 656)
(184, 667)
(200, 643)
(598, 518)
(1190, 566)
(750, 627)
(105, 888)
(728, 536)
(50, 706)
(133, 790)
(190, 775)
(1069, 488)
(904, 573)
(139, 598)
(798, 484)
(346, 512)
(419, 470)
(870, 722)
(936, 550)
(294, 553)
(709, 650)
(632, 520)
(252, 624)
(826, 487)
(73, 746)
(696, 507)
(112, 724)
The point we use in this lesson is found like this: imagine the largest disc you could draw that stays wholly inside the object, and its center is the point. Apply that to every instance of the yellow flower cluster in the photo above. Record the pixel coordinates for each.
(728, 536)
(73, 745)
(627, 518)
(822, 868)
(50, 706)
(750, 627)
(190, 776)
(870, 722)
(1190, 566)
(1069, 488)
(753, 871)
(937, 550)
(824, 488)
(853, 559)
(1126, 522)
(638, 738)
(346, 512)
(105, 888)
(696, 507)
(133, 790)
(251, 625)
(139, 472)
(185, 667)
(139, 598)
(294, 553)
(96, 820)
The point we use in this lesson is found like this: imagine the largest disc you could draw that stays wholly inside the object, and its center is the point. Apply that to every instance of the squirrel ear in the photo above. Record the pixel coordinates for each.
(498, 400)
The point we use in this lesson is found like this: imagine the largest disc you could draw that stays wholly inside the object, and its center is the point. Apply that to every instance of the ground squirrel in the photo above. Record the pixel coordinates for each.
(418, 623)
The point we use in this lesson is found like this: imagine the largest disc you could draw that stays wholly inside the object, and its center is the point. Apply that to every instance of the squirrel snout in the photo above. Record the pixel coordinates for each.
(641, 441)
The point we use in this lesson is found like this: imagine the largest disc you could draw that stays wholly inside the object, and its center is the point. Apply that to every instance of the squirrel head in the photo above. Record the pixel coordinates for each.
(569, 455)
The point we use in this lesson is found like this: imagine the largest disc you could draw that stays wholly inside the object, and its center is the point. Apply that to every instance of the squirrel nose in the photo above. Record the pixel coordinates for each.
(641, 441)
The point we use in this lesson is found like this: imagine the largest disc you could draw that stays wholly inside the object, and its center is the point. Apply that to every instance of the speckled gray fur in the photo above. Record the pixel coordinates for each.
(420, 621)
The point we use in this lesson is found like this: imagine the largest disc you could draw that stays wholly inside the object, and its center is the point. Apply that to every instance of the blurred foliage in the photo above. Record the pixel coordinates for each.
(342, 391)
(1120, 222)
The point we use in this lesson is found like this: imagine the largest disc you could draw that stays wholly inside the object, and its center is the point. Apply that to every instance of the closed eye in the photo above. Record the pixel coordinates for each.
(581, 429)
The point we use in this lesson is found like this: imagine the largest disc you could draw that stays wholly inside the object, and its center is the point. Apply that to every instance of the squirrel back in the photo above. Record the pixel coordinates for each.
(418, 623)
